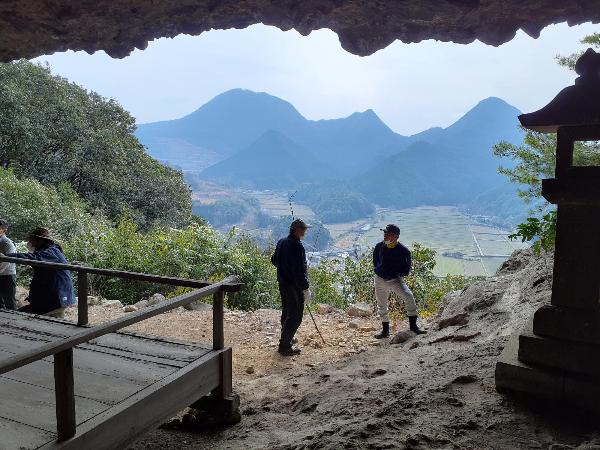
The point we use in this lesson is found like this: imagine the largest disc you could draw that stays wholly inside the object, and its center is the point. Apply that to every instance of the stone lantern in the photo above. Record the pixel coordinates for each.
(557, 356)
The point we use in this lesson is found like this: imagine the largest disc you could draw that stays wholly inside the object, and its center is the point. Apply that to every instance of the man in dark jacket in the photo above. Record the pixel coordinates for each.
(51, 290)
(292, 276)
(391, 263)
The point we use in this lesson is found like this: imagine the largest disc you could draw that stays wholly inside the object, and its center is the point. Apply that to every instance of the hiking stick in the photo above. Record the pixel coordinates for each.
(315, 323)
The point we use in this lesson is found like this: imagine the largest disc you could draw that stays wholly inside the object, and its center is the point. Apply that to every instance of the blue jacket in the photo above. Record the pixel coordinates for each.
(50, 289)
(391, 263)
(290, 260)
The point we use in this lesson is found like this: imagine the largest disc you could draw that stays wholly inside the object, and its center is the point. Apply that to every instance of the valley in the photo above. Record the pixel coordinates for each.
(245, 153)
(464, 245)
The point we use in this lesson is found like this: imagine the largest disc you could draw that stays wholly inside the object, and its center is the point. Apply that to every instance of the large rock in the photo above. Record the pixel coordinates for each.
(141, 304)
(38, 27)
(360, 310)
(502, 304)
(156, 299)
(112, 304)
(198, 306)
(21, 296)
(402, 336)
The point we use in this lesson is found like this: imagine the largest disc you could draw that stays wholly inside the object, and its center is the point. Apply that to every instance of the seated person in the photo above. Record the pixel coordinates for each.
(51, 290)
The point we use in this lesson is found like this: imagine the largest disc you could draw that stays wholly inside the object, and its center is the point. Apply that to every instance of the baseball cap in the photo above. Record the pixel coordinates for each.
(391, 228)
(299, 224)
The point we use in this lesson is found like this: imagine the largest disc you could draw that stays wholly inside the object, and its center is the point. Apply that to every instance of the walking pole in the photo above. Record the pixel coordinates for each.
(314, 321)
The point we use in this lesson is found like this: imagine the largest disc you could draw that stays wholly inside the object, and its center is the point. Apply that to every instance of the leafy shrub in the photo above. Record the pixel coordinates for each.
(541, 231)
(325, 280)
(26, 204)
(196, 252)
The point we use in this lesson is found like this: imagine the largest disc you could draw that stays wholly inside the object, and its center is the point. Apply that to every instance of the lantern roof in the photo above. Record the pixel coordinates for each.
(574, 105)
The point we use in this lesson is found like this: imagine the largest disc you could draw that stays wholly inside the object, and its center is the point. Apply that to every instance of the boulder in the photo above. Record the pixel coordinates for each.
(402, 336)
(141, 304)
(322, 308)
(360, 310)
(155, 299)
(129, 308)
(354, 324)
(112, 304)
(21, 296)
(94, 300)
(198, 306)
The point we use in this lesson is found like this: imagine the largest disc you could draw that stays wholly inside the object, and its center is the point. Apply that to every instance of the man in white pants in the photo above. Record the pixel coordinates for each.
(392, 262)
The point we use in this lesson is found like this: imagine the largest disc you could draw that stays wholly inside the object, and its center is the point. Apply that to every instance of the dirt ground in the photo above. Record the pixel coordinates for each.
(430, 392)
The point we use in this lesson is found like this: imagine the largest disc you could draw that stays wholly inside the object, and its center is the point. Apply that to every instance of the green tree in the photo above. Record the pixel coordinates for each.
(57, 132)
(535, 160)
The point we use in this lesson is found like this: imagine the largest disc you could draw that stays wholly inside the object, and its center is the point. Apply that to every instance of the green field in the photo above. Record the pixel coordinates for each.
(476, 249)
(444, 229)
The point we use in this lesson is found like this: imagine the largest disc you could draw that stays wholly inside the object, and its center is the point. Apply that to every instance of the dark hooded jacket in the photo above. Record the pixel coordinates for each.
(290, 260)
(50, 289)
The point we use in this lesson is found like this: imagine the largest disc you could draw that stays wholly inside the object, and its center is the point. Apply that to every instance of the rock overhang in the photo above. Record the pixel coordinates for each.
(37, 27)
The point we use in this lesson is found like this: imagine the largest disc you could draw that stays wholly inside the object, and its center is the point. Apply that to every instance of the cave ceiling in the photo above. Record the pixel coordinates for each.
(36, 27)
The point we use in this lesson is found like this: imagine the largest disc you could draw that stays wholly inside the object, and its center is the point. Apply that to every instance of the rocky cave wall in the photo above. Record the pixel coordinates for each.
(35, 27)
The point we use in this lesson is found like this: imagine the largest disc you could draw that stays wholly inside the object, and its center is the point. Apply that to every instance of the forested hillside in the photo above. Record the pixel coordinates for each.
(57, 132)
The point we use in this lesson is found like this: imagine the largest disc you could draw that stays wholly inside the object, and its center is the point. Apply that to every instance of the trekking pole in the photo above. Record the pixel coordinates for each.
(315, 322)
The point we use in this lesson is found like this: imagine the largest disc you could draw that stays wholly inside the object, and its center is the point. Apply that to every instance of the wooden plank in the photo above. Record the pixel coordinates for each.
(102, 388)
(157, 348)
(64, 388)
(122, 424)
(88, 334)
(15, 435)
(151, 349)
(62, 328)
(111, 362)
(230, 285)
(35, 406)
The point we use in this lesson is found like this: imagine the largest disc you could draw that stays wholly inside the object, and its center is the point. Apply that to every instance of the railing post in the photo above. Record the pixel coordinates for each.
(82, 298)
(226, 369)
(64, 386)
(218, 332)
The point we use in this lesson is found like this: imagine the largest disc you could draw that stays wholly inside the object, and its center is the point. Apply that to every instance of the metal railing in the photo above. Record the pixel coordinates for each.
(63, 349)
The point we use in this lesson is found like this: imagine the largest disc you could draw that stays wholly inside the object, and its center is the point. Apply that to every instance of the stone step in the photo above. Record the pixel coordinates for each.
(574, 357)
(556, 385)
(567, 324)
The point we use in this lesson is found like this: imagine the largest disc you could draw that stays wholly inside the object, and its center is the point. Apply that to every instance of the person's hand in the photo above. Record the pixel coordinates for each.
(307, 296)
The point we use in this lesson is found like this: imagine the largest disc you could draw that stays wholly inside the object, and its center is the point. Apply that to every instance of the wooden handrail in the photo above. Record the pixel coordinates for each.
(158, 279)
(90, 333)
(62, 350)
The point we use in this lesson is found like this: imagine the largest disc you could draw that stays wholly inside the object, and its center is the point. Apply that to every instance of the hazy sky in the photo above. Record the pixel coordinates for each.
(410, 86)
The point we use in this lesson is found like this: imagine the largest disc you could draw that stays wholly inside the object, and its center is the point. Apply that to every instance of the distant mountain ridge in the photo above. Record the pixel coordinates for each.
(248, 139)
(235, 119)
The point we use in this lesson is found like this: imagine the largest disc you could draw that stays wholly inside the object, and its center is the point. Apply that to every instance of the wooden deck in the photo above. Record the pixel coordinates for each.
(117, 376)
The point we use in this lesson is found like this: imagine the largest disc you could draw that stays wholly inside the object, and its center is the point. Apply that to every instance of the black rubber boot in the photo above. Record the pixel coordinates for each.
(289, 351)
(412, 320)
(385, 332)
